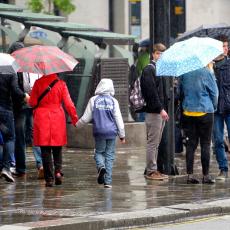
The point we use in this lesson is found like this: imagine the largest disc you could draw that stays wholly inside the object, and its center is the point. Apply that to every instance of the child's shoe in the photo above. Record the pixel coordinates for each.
(101, 174)
(107, 186)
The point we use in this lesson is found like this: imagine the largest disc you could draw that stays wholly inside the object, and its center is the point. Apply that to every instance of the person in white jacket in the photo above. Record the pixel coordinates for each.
(104, 112)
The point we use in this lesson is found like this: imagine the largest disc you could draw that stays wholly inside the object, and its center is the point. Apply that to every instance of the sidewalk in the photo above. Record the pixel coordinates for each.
(80, 203)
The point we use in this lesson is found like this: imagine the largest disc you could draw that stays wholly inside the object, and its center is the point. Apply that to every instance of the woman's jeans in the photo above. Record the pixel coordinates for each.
(7, 118)
(104, 156)
(195, 129)
(51, 156)
(218, 133)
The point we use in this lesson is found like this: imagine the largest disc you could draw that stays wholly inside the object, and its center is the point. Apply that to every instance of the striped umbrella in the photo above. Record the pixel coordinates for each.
(44, 60)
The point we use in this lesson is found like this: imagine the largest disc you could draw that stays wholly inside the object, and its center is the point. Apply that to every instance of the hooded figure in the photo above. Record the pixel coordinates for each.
(103, 110)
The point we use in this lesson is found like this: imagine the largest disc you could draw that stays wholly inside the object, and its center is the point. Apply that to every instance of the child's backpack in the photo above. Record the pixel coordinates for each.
(136, 99)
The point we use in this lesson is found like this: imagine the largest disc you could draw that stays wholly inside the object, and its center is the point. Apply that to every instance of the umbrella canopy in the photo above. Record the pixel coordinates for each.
(8, 64)
(211, 31)
(188, 55)
(44, 60)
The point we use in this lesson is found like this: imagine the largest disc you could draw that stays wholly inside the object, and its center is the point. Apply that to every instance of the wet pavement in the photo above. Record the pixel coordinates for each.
(28, 200)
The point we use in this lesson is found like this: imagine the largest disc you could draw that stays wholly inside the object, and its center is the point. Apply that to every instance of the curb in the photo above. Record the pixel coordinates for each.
(173, 213)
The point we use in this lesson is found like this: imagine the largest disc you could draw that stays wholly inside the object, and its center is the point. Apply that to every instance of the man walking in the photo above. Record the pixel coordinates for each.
(152, 90)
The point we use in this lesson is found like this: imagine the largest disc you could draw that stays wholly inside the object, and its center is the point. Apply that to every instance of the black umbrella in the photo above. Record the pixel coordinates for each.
(206, 31)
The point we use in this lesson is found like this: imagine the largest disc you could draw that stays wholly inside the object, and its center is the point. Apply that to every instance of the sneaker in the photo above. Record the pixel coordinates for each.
(208, 180)
(101, 174)
(107, 186)
(18, 174)
(154, 176)
(222, 175)
(12, 170)
(7, 175)
(163, 175)
(192, 180)
(40, 173)
(58, 178)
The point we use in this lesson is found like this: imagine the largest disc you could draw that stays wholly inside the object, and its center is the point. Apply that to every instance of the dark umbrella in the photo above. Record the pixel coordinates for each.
(206, 31)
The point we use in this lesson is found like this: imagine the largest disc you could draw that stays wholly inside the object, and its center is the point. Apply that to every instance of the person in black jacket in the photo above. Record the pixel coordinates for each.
(8, 88)
(152, 90)
(222, 115)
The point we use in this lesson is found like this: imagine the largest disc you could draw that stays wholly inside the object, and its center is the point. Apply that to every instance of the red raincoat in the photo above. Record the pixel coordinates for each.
(49, 118)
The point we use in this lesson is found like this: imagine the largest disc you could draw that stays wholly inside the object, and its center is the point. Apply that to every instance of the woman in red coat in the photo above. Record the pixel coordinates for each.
(50, 124)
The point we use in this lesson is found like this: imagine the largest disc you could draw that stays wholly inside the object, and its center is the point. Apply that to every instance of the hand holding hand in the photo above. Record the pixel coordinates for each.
(122, 140)
(27, 97)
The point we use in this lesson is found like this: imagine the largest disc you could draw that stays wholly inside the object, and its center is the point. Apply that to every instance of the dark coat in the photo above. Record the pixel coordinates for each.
(152, 90)
(222, 72)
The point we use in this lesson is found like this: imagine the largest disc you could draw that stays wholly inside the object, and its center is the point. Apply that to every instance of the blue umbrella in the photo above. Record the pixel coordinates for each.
(188, 55)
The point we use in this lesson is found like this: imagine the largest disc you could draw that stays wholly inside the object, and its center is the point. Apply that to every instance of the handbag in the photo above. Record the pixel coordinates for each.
(45, 92)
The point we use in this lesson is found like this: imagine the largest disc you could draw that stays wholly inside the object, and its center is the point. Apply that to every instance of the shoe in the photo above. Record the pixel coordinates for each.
(222, 175)
(154, 176)
(58, 178)
(49, 183)
(163, 175)
(7, 175)
(12, 170)
(40, 173)
(18, 174)
(107, 186)
(101, 174)
(208, 180)
(192, 180)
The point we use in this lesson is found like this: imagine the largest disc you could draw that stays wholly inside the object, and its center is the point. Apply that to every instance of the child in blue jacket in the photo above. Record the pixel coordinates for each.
(104, 112)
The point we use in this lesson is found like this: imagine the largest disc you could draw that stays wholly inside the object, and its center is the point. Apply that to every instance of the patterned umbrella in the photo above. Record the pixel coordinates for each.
(8, 64)
(44, 60)
(188, 55)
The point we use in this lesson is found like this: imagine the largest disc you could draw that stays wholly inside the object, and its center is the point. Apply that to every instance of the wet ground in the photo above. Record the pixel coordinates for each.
(80, 196)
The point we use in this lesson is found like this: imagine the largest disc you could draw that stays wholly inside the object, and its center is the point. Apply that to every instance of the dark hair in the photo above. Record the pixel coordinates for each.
(222, 38)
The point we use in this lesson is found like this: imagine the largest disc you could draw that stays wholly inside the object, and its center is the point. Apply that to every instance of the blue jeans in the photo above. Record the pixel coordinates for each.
(218, 132)
(104, 156)
(38, 156)
(7, 118)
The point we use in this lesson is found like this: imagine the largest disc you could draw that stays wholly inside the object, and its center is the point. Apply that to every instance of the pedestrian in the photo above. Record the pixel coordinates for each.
(23, 114)
(49, 131)
(9, 88)
(222, 115)
(103, 110)
(198, 103)
(152, 90)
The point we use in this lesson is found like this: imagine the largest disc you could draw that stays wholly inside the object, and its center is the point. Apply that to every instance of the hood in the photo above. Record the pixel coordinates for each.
(105, 86)
(15, 46)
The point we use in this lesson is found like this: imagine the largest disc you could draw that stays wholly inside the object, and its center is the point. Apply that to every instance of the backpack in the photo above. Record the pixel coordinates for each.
(136, 99)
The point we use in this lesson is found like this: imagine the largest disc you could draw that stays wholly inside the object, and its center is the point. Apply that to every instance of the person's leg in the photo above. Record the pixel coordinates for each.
(57, 157)
(190, 133)
(47, 165)
(37, 156)
(109, 158)
(219, 142)
(99, 157)
(29, 126)
(205, 127)
(154, 127)
(20, 144)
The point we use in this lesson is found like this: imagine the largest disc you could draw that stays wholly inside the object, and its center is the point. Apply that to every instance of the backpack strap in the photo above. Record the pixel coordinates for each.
(45, 92)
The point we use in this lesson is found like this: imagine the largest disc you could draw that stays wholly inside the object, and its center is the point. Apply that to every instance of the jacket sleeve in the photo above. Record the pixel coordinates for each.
(68, 103)
(212, 89)
(88, 114)
(119, 120)
(149, 89)
(16, 91)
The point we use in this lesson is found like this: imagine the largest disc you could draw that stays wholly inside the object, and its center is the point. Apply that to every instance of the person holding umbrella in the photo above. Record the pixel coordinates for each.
(47, 96)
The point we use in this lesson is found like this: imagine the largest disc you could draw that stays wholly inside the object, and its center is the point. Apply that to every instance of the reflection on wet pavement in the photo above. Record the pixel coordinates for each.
(29, 200)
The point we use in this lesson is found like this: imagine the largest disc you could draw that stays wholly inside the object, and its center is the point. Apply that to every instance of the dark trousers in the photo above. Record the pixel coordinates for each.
(51, 158)
(198, 129)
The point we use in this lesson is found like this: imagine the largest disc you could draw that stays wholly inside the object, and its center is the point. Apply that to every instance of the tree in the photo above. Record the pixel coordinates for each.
(48, 6)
